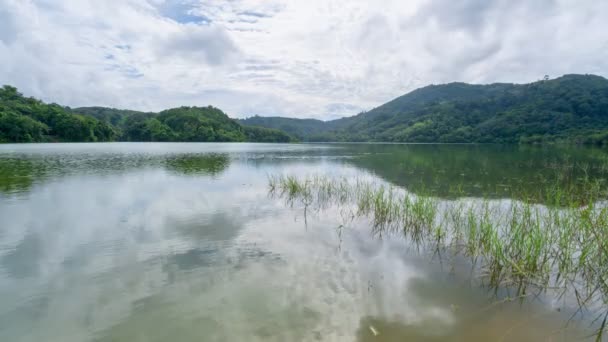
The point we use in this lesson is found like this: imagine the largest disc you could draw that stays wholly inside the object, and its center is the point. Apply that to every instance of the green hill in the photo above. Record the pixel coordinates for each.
(201, 124)
(25, 119)
(571, 108)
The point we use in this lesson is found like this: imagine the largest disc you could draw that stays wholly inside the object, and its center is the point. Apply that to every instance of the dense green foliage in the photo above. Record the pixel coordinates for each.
(29, 120)
(109, 115)
(25, 119)
(200, 124)
(263, 134)
(572, 108)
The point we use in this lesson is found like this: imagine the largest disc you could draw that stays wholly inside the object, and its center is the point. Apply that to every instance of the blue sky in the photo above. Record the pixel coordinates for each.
(316, 58)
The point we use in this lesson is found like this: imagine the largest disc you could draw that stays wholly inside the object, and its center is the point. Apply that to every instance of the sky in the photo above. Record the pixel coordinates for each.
(296, 58)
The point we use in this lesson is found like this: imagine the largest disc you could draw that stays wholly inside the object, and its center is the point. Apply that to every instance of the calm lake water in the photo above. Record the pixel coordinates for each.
(182, 242)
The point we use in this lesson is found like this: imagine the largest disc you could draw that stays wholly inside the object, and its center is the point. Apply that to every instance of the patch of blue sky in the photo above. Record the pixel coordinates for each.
(182, 12)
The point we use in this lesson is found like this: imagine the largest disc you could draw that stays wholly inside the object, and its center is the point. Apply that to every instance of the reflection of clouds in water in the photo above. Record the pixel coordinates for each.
(185, 247)
(22, 261)
(299, 287)
(104, 241)
(95, 226)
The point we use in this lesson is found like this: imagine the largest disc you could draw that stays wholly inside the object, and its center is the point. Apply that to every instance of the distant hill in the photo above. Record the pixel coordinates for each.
(571, 108)
(24, 119)
(299, 128)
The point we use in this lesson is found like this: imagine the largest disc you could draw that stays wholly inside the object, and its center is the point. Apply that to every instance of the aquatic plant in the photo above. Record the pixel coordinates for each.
(561, 246)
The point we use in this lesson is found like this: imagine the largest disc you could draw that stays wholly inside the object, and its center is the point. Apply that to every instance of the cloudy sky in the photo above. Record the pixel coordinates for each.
(296, 58)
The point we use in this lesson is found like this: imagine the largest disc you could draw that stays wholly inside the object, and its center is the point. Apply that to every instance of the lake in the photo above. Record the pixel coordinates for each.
(186, 242)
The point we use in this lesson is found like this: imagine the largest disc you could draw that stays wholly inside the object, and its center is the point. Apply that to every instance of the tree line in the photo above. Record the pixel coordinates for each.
(24, 119)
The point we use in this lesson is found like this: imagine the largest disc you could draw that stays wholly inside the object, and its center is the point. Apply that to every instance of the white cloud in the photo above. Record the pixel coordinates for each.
(208, 44)
(316, 58)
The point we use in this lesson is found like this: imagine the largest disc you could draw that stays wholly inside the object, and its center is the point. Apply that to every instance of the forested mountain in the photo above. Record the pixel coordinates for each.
(25, 119)
(182, 124)
(571, 108)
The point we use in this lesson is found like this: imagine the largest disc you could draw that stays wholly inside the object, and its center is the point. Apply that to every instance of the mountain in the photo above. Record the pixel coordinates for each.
(571, 108)
(299, 128)
(24, 119)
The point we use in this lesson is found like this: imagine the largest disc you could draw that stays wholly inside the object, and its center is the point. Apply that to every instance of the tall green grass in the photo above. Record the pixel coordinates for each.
(560, 245)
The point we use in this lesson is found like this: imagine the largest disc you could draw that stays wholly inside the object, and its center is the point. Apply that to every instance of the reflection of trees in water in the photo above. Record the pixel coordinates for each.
(19, 174)
(492, 171)
(445, 170)
(198, 164)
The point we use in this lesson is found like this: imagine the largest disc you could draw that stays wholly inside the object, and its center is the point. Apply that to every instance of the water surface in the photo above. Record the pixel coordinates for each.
(182, 242)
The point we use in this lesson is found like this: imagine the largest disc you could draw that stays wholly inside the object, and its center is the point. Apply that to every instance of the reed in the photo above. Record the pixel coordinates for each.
(561, 245)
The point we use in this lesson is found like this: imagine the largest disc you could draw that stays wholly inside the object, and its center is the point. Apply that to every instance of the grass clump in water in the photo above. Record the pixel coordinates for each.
(560, 246)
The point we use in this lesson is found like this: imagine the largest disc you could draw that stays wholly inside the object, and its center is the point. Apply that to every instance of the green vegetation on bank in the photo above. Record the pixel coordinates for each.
(569, 109)
(25, 119)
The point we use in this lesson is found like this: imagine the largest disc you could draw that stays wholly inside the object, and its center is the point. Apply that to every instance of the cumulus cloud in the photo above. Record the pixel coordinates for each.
(316, 58)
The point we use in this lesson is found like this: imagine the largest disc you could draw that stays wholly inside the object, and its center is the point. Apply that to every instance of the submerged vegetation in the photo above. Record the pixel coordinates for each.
(560, 247)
